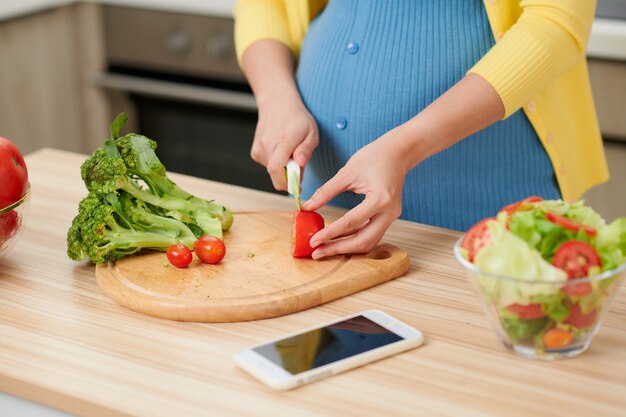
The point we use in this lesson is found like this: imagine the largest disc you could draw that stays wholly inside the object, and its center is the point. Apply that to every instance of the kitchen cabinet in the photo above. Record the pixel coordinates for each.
(609, 199)
(608, 82)
(46, 98)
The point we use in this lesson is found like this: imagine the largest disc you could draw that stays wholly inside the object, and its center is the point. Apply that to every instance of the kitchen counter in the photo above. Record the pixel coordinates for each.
(607, 41)
(66, 345)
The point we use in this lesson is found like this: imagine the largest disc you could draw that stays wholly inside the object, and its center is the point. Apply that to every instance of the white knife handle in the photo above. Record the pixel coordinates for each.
(293, 168)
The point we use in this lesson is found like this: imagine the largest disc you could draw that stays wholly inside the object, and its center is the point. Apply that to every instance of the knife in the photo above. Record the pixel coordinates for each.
(293, 181)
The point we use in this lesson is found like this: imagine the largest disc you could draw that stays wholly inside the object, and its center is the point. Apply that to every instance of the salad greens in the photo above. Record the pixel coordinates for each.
(535, 266)
(510, 256)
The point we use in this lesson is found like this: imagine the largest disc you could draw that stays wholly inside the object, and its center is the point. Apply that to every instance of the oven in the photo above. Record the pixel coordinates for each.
(177, 77)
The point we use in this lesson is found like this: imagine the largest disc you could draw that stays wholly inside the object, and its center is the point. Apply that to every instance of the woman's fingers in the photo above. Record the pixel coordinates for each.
(303, 152)
(333, 187)
(277, 163)
(282, 131)
(347, 224)
(363, 242)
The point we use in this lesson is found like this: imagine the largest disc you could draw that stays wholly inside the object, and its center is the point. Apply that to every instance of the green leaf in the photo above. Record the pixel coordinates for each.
(611, 244)
(195, 229)
(520, 329)
(556, 309)
(117, 124)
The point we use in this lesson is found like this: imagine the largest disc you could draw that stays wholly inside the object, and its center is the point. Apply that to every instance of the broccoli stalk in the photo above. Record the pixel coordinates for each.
(102, 234)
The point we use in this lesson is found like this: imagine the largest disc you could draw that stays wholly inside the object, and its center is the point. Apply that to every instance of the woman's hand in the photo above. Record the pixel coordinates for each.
(285, 129)
(376, 171)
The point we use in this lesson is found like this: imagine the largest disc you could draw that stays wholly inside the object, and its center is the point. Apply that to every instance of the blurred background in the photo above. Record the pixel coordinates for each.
(68, 67)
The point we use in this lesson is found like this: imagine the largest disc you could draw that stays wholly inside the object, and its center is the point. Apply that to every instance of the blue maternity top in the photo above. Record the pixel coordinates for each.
(367, 66)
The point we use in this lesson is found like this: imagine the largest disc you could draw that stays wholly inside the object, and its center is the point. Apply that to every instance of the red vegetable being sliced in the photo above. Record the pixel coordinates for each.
(571, 224)
(476, 238)
(305, 225)
(576, 258)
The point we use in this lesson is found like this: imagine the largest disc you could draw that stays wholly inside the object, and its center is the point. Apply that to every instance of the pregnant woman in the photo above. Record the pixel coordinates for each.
(439, 111)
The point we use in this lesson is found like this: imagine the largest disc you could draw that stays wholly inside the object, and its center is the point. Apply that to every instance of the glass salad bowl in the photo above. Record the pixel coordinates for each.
(12, 222)
(544, 319)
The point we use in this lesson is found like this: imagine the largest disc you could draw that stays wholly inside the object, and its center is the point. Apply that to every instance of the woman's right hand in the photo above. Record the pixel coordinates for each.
(285, 129)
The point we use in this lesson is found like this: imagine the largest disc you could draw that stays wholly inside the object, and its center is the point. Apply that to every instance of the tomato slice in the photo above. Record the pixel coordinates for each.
(570, 224)
(579, 319)
(305, 225)
(530, 311)
(512, 208)
(576, 258)
(476, 238)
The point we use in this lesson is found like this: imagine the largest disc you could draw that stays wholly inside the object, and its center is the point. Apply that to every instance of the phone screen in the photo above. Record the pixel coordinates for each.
(327, 344)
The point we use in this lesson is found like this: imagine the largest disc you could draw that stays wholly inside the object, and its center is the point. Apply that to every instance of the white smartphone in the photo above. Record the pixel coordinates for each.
(328, 349)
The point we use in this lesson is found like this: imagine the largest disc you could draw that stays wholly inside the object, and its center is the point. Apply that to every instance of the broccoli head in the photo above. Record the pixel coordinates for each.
(98, 231)
(132, 204)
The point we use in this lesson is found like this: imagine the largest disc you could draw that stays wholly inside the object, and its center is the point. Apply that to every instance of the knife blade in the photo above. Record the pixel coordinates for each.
(293, 180)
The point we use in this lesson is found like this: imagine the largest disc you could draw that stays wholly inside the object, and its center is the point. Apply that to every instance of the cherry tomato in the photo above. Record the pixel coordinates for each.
(576, 258)
(531, 311)
(579, 319)
(13, 174)
(570, 224)
(305, 225)
(179, 255)
(557, 338)
(476, 238)
(209, 249)
(512, 208)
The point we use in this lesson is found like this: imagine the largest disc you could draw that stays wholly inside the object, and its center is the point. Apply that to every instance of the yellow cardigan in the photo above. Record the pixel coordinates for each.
(538, 63)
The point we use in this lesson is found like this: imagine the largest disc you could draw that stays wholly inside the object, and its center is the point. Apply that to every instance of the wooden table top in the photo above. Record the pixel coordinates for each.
(64, 344)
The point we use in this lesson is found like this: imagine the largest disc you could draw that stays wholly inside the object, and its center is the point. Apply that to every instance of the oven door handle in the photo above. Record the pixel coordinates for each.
(172, 90)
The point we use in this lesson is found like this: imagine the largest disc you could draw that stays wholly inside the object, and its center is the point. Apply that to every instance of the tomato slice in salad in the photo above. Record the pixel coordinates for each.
(476, 238)
(305, 225)
(579, 319)
(530, 311)
(570, 224)
(9, 222)
(512, 208)
(576, 258)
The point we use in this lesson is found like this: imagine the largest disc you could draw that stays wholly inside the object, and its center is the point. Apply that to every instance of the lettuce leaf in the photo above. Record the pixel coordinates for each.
(521, 329)
(510, 256)
(611, 244)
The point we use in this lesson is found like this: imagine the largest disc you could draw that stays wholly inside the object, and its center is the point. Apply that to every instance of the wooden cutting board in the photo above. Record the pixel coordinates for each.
(243, 286)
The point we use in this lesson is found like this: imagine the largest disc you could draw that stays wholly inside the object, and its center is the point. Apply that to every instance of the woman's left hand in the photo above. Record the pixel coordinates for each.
(376, 171)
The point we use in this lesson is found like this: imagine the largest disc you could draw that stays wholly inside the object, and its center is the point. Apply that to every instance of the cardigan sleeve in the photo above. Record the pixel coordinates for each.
(549, 37)
(260, 19)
